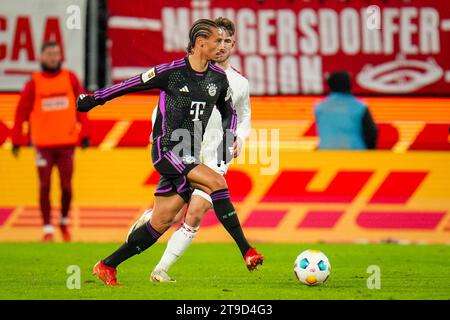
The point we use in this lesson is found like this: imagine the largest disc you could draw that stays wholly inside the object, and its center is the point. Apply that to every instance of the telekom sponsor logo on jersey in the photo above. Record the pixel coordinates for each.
(197, 109)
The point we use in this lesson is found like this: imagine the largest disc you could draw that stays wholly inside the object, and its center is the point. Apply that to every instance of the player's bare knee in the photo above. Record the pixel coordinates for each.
(160, 225)
(166, 221)
(161, 220)
(194, 218)
(218, 182)
(176, 219)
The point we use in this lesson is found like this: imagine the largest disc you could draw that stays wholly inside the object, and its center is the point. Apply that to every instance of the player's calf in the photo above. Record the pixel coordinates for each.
(226, 214)
(138, 241)
(200, 204)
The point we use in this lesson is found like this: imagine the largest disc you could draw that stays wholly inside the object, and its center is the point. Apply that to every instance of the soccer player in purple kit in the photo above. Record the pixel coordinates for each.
(200, 202)
(189, 89)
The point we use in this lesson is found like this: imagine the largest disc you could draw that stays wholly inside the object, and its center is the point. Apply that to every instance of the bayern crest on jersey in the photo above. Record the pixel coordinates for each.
(212, 89)
(188, 159)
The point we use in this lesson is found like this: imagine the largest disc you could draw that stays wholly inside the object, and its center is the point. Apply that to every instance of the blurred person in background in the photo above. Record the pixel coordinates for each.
(48, 103)
(343, 122)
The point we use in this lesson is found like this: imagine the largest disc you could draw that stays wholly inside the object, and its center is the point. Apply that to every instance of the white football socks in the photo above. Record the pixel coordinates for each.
(64, 221)
(48, 228)
(176, 246)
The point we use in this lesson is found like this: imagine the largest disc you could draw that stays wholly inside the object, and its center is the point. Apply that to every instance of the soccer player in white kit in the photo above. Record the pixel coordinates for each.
(200, 201)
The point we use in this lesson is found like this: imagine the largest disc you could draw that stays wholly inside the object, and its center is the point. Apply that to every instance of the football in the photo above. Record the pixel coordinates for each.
(312, 267)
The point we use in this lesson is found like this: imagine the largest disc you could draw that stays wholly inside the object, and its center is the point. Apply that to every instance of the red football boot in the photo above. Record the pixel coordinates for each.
(253, 259)
(48, 237)
(65, 232)
(106, 274)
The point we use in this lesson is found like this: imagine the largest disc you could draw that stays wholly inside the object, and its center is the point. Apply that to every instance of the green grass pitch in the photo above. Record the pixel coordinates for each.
(217, 271)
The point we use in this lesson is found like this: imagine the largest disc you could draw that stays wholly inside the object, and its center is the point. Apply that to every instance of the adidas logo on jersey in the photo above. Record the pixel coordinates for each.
(184, 89)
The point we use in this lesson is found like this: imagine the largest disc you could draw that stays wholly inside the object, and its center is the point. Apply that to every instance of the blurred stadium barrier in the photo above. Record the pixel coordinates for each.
(314, 196)
(284, 47)
(405, 123)
(290, 195)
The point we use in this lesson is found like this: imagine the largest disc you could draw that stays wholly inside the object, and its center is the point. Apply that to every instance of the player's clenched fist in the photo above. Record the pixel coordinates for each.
(86, 102)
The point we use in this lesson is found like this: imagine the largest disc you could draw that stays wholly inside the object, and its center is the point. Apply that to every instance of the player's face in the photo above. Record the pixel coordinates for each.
(214, 46)
(227, 48)
(51, 57)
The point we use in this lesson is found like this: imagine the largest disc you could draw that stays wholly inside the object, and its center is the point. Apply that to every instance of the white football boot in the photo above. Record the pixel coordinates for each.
(160, 276)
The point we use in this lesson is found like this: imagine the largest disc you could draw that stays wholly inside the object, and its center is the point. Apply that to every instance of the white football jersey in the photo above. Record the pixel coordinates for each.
(214, 131)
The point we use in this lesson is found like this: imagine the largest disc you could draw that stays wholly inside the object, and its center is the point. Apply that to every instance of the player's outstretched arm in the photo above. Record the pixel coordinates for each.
(86, 102)
(150, 79)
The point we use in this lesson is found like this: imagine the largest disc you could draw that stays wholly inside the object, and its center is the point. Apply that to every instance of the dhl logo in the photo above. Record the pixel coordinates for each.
(290, 188)
(314, 196)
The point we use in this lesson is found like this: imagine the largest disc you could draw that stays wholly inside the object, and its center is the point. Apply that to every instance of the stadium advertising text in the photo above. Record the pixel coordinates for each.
(25, 26)
(289, 49)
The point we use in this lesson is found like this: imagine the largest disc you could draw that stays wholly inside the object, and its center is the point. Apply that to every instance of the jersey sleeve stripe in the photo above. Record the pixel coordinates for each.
(162, 109)
(169, 67)
(164, 67)
(104, 93)
(170, 63)
(216, 68)
(124, 84)
(234, 123)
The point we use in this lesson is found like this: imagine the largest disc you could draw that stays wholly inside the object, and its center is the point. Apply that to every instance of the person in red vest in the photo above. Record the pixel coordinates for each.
(48, 103)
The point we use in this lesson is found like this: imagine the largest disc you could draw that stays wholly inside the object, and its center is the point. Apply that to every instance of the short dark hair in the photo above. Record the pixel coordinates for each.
(200, 28)
(49, 44)
(226, 24)
(339, 81)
